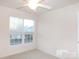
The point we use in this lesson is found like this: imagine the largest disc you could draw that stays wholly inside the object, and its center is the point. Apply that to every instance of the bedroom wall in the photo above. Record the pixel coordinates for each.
(57, 32)
(5, 48)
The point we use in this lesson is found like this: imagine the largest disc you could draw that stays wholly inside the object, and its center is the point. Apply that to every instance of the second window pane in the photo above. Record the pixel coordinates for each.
(28, 38)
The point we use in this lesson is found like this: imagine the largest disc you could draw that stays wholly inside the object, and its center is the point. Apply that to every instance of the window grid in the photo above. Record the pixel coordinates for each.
(21, 36)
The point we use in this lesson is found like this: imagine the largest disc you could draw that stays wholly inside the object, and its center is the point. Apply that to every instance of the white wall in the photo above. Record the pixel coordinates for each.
(5, 48)
(57, 31)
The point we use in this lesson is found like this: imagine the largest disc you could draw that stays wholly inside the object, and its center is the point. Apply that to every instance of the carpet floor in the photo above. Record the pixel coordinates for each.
(34, 54)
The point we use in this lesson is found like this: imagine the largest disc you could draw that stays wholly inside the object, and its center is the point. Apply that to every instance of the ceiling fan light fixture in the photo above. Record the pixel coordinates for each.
(32, 6)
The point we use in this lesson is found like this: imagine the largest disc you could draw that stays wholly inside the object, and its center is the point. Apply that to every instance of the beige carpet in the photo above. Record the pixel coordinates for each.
(34, 54)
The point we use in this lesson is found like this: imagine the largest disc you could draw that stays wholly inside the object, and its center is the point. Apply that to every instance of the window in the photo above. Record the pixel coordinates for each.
(28, 38)
(28, 26)
(21, 31)
(16, 38)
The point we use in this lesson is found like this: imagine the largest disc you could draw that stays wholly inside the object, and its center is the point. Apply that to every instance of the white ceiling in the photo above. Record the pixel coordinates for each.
(55, 4)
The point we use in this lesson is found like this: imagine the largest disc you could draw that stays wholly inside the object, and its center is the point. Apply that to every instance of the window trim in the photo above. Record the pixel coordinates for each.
(23, 33)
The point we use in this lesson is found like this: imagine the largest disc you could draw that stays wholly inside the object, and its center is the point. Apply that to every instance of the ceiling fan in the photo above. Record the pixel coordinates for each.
(34, 4)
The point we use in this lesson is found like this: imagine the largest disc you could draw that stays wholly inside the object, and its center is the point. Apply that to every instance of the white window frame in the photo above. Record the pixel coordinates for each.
(23, 33)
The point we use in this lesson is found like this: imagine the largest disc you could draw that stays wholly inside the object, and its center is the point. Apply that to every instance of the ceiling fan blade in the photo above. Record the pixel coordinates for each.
(22, 7)
(24, 1)
(44, 6)
(41, 1)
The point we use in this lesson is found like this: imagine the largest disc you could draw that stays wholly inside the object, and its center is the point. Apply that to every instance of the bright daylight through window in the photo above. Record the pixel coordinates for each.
(21, 31)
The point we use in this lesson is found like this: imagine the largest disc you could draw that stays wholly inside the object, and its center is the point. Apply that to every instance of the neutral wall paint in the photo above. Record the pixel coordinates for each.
(5, 48)
(57, 31)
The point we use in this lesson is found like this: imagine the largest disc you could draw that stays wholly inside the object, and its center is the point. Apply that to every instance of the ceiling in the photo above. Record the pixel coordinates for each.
(55, 4)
